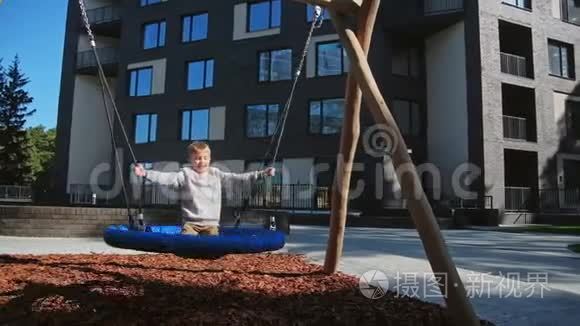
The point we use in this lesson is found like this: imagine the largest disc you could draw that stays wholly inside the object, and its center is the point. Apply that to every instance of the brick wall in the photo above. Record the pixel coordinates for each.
(543, 25)
(71, 221)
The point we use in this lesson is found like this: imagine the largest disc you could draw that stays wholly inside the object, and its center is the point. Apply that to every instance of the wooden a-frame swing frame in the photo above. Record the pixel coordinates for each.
(360, 82)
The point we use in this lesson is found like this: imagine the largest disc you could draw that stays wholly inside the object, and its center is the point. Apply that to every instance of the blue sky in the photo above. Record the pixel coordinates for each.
(34, 29)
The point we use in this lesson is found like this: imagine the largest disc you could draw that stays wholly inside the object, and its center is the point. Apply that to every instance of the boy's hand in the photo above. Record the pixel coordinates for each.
(270, 172)
(139, 170)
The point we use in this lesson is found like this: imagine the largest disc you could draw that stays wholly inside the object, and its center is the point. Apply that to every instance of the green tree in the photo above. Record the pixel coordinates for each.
(14, 101)
(41, 150)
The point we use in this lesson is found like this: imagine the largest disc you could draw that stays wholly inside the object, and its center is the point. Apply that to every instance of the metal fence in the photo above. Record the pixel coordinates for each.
(292, 196)
(481, 202)
(519, 198)
(513, 64)
(515, 127)
(156, 195)
(289, 196)
(559, 199)
(542, 200)
(104, 14)
(433, 7)
(86, 59)
(84, 194)
(478, 202)
(15, 193)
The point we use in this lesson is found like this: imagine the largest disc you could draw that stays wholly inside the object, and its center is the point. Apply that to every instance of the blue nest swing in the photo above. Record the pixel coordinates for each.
(168, 239)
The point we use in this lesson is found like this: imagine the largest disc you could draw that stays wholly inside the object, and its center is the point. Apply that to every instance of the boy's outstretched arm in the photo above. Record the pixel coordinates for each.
(248, 176)
(174, 179)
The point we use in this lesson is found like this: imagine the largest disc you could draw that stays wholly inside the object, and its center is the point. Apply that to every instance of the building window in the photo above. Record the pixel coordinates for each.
(310, 13)
(571, 11)
(264, 15)
(261, 120)
(326, 116)
(145, 3)
(195, 124)
(561, 59)
(145, 128)
(154, 35)
(194, 28)
(200, 74)
(406, 62)
(524, 4)
(141, 81)
(331, 59)
(407, 116)
(275, 65)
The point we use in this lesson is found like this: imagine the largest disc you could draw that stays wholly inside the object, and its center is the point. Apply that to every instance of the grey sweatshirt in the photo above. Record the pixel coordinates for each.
(200, 194)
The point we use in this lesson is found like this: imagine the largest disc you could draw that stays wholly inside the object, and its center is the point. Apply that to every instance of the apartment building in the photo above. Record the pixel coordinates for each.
(484, 92)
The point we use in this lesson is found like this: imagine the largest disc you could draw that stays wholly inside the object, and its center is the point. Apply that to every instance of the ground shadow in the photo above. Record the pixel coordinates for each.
(120, 294)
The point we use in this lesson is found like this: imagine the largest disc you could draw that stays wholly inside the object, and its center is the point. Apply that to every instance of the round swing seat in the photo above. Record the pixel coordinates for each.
(168, 239)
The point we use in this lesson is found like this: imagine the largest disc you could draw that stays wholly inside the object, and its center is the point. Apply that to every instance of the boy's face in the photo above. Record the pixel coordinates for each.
(200, 160)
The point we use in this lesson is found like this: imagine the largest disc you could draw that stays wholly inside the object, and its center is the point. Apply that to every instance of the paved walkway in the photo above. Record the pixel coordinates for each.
(490, 264)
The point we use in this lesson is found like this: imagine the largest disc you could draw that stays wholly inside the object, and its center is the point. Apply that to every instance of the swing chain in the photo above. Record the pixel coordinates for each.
(280, 126)
(134, 221)
(87, 24)
(317, 23)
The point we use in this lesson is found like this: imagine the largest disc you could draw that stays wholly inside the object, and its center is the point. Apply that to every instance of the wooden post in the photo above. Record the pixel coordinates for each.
(451, 285)
(348, 143)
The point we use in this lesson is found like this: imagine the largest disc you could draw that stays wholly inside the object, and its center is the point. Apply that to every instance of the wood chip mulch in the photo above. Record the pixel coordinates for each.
(265, 289)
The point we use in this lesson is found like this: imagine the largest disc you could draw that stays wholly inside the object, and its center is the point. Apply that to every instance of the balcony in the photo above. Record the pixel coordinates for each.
(105, 21)
(516, 52)
(519, 113)
(438, 7)
(87, 63)
(520, 179)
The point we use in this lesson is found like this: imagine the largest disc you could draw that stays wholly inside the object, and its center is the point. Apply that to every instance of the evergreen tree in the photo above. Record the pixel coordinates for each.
(14, 101)
(41, 150)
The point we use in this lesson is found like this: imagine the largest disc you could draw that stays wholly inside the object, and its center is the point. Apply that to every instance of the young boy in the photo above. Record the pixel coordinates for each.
(201, 188)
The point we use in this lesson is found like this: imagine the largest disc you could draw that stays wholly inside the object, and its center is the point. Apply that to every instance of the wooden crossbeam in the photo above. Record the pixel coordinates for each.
(346, 7)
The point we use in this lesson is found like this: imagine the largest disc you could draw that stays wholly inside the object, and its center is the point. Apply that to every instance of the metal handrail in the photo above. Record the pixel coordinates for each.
(515, 127)
(513, 64)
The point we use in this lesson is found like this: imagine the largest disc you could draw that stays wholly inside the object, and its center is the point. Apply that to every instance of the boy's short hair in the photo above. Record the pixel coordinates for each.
(197, 147)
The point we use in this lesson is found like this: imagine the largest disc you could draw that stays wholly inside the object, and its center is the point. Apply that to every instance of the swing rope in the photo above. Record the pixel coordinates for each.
(278, 133)
(106, 92)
